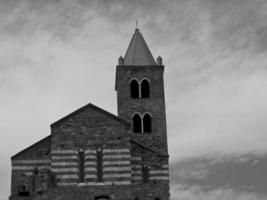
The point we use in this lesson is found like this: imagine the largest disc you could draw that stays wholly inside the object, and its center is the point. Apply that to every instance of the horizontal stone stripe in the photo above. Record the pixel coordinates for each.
(105, 169)
(27, 168)
(136, 172)
(90, 169)
(71, 157)
(59, 151)
(93, 157)
(65, 169)
(89, 176)
(159, 178)
(165, 166)
(66, 183)
(90, 151)
(117, 175)
(116, 150)
(115, 162)
(158, 172)
(116, 159)
(32, 165)
(65, 161)
(136, 167)
(118, 182)
(112, 156)
(136, 158)
(23, 173)
(104, 183)
(31, 161)
(90, 163)
(67, 176)
(136, 178)
(64, 164)
(117, 165)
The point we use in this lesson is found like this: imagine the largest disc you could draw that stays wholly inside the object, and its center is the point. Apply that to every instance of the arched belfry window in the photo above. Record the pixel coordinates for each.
(134, 85)
(137, 123)
(145, 89)
(147, 123)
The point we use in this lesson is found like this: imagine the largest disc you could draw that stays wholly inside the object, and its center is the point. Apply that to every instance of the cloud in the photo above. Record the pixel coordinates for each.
(244, 172)
(181, 192)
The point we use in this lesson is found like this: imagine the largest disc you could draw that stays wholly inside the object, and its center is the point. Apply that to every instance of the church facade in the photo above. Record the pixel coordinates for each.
(92, 154)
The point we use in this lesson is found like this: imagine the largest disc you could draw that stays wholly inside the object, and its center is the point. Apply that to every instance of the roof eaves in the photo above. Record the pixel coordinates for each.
(33, 145)
(95, 108)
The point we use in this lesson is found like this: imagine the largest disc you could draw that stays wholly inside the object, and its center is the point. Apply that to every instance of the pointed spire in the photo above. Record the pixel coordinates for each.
(138, 53)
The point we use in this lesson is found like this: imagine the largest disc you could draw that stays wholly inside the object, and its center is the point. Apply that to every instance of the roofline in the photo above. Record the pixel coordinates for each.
(148, 148)
(95, 108)
(33, 145)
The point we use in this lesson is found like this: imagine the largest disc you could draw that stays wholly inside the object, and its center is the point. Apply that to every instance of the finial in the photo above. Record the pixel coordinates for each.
(159, 60)
(120, 60)
(136, 25)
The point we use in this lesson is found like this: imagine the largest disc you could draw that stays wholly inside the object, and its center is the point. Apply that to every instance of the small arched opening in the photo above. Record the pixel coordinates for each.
(147, 123)
(134, 87)
(145, 89)
(137, 123)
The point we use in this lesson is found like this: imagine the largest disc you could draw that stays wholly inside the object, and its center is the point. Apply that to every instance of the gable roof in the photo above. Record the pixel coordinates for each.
(91, 106)
(149, 148)
(138, 53)
(33, 145)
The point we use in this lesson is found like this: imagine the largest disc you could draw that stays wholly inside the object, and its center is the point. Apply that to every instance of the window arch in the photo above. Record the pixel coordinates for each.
(145, 89)
(134, 86)
(147, 123)
(137, 123)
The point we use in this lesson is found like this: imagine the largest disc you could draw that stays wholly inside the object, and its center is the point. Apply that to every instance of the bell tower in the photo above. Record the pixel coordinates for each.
(140, 94)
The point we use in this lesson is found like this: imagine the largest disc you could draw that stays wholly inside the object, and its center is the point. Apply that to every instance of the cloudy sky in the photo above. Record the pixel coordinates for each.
(58, 55)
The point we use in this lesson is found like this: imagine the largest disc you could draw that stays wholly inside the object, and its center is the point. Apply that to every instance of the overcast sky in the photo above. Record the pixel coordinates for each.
(56, 56)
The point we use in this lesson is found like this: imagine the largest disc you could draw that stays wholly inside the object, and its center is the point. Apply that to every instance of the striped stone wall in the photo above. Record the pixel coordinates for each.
(116, 167)
(159, 172)
(26, 167)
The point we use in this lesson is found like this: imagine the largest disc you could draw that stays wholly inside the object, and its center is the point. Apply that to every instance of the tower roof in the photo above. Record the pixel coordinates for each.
(138, 53)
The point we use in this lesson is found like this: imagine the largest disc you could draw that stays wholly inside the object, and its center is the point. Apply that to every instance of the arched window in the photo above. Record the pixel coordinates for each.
(99, 157)
(147, 123)
(134, 85)
(145, 89)
(137, 123)
(81, 166)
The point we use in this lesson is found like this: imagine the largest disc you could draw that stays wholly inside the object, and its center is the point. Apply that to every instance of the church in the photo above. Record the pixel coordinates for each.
(92, 154)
